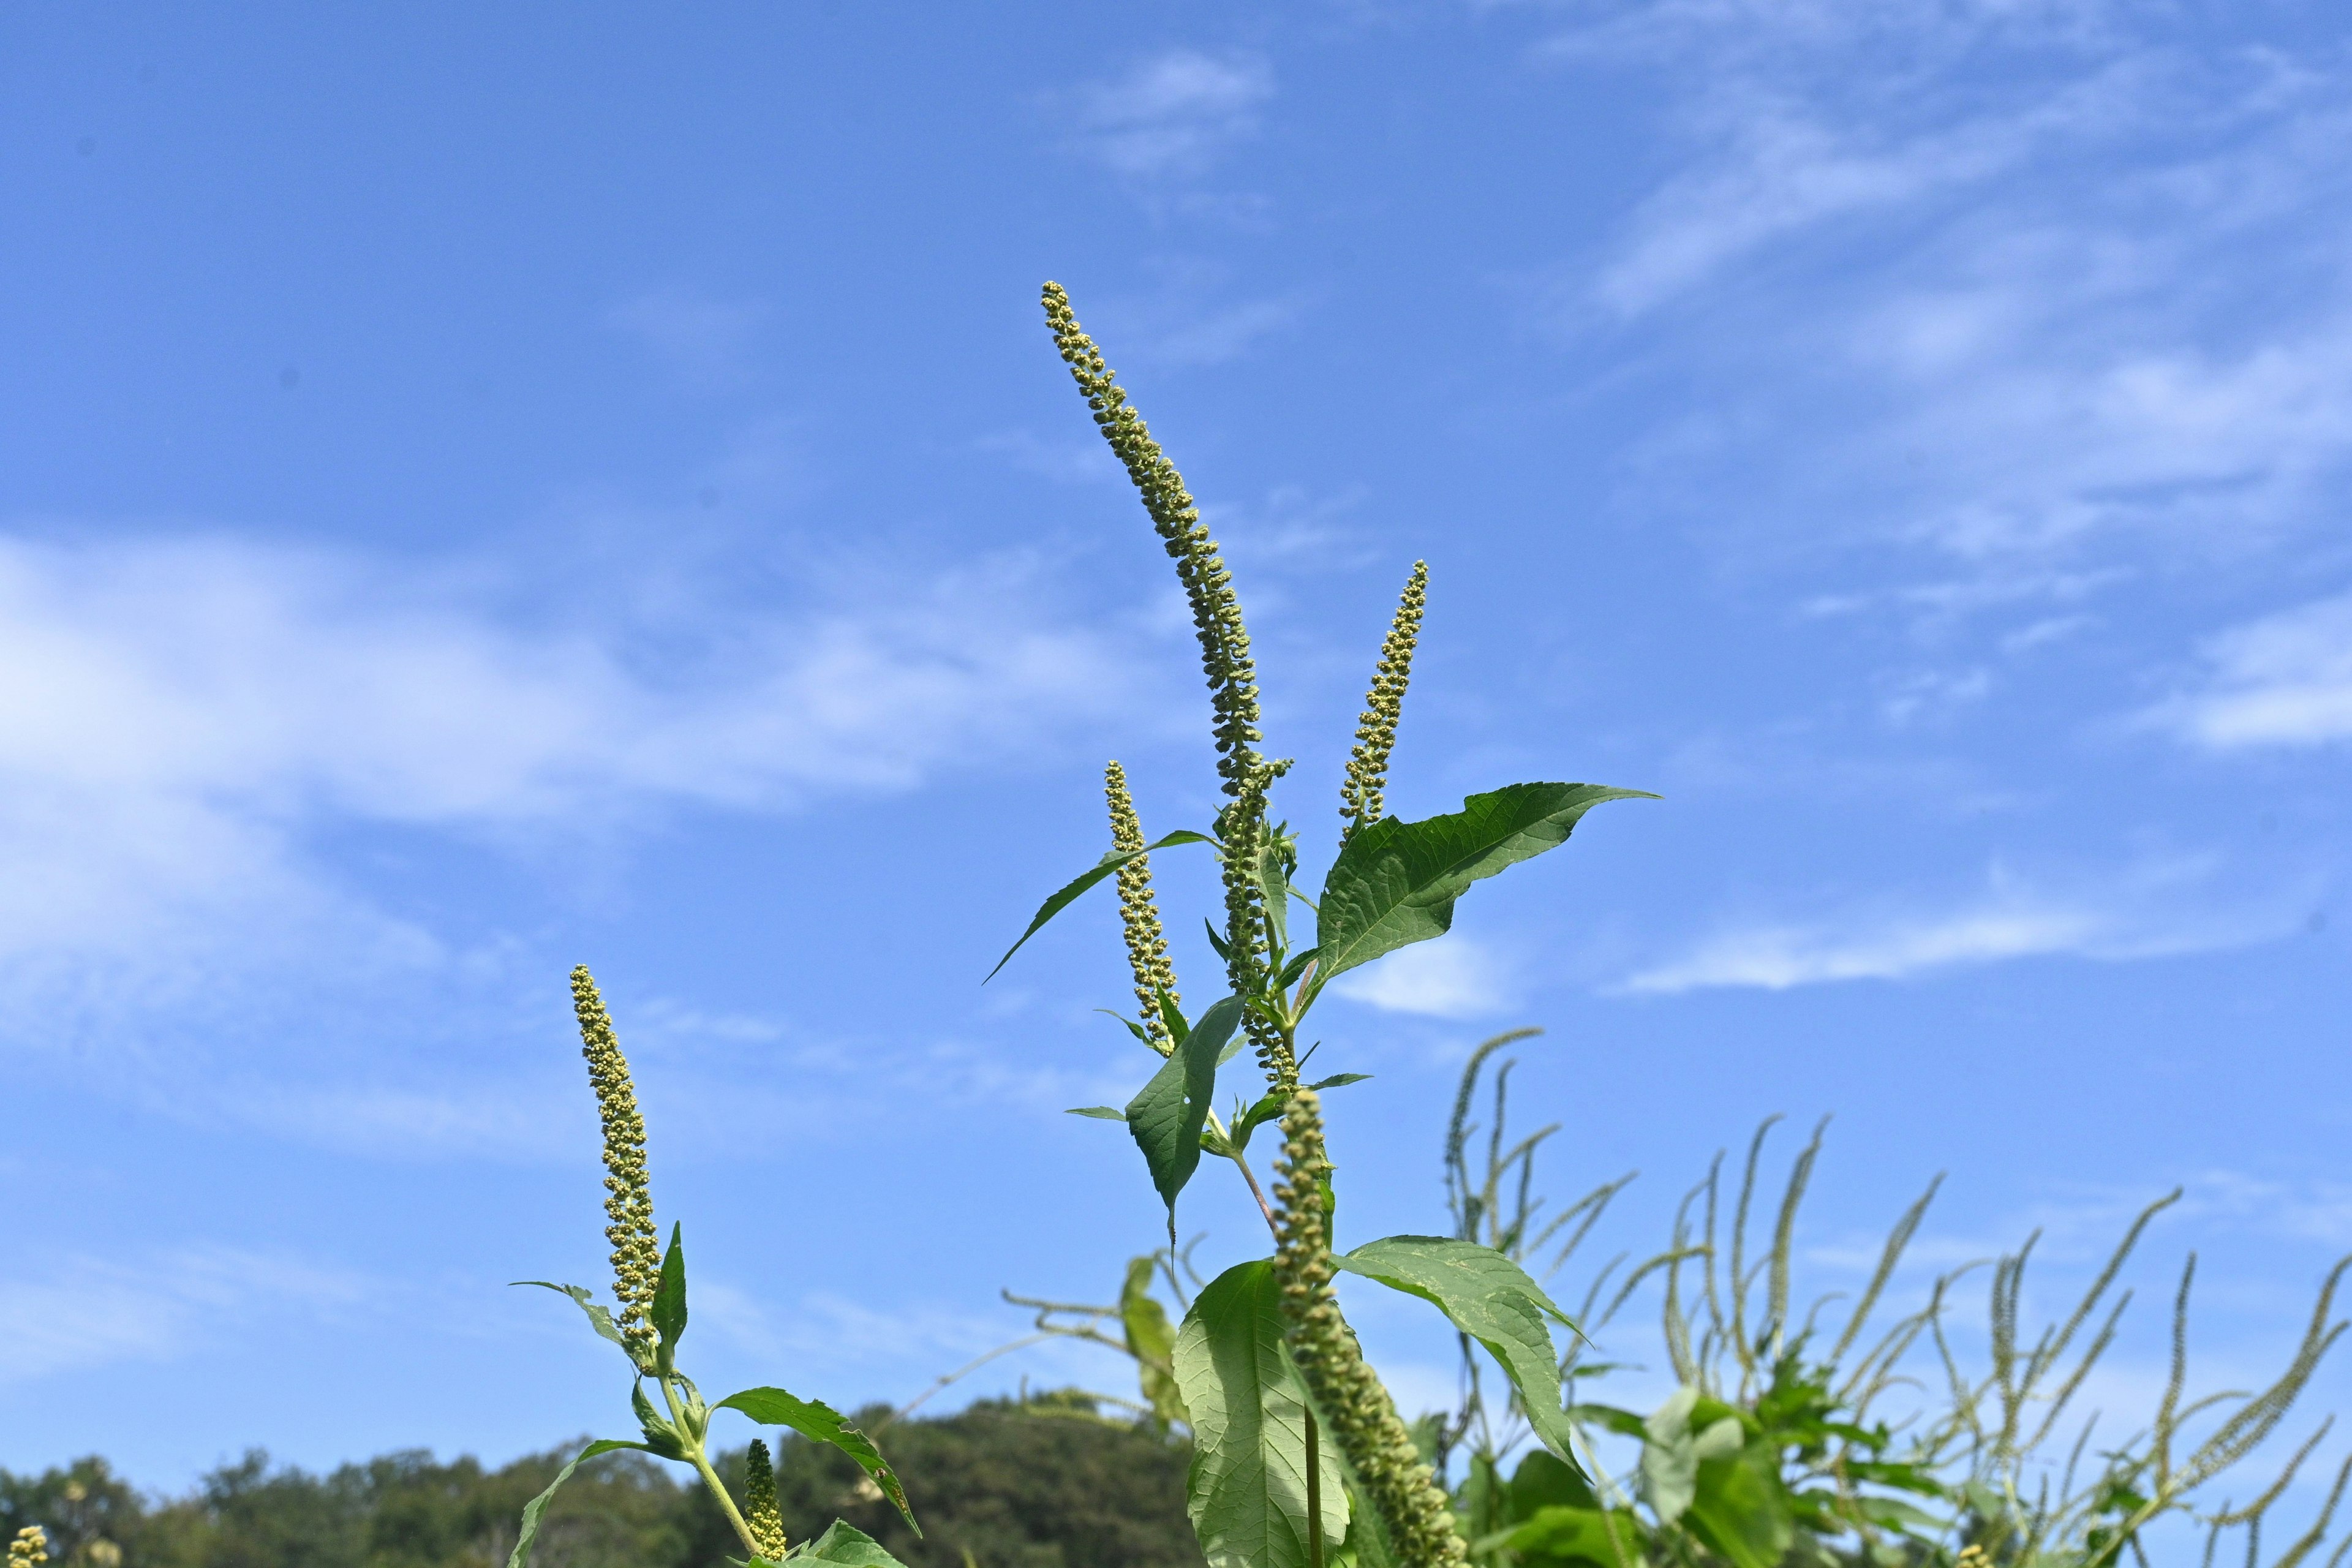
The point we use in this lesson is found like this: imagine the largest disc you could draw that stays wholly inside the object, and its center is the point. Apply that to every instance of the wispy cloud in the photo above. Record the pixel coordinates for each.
(85, 1312)
(2284, 680)
(2155, 911)
(1451, 977)
(1175, 114)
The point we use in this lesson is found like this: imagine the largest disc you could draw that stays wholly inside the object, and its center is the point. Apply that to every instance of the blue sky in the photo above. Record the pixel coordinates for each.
(483, 491)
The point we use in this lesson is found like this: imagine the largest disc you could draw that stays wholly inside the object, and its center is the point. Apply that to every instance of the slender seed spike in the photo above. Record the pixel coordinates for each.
(1147, 943)
(1348, 1394)
(628, 1201)
(1360, 795)
(1216, 612)
(30, 1549)
(761, 1511)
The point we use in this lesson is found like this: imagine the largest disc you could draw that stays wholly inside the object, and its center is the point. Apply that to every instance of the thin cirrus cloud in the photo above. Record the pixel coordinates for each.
(182, 716)
(1173, 115)
(2284, 680)
(1451, 977)
(2155, 911)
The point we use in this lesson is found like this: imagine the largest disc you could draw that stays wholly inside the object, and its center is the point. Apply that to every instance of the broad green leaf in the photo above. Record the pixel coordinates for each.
(1166, 1118)
(847, 1545)
(1152, 1340)
(1103, 867)
(1490, 1299)
(1564, 1537)
(1739, 1508)
(821, 1422)
(536, 1509)
(1099, 1112)
(1247, 1488)
(1671, 1453)
(1396, 881)
(669, 1294)
(1542, 1481)
(599, 1317)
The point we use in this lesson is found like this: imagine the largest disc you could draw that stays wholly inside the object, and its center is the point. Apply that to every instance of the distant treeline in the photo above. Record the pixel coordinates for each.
(1000, 1486)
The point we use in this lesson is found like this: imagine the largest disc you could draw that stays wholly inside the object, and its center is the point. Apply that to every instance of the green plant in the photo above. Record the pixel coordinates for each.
(1299, 1450)
(1778, 1445)
(649, 1290)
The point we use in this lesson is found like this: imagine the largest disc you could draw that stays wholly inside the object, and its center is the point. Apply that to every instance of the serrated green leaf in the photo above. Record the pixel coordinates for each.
(536, 1509)
(1247, 1485)
(821, 1422)
(1340, 1080)
(1395, 881)
(1099, 1112)
(1166, 1118)
(1491, 1299)
(1103, 867)
(668, 1312)
(846, 1544)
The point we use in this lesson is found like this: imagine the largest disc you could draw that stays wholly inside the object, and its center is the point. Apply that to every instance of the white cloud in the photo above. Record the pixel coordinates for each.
(84, 1312)
(1174, 114)
(2284, 680)
(1451, 977)
(2154, 910)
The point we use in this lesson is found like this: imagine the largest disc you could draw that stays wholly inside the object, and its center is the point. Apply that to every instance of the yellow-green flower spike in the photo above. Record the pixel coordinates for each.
(1368, 763)
(1139, 912)
(759, 1510)
(1216, 611)
(30, 1549)
(628, 1193)
(1348, 1394)
(1242, 827)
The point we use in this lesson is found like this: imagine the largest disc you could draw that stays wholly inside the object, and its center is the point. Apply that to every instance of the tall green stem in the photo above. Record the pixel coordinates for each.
(701, 1463)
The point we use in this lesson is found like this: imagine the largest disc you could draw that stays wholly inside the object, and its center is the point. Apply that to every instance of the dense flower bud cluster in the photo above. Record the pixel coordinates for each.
(1146, 942)
(761, 1512)
(1367, 762)
(1216, 611)
(628, 1193)
(1348, 1394)
(30, 1549)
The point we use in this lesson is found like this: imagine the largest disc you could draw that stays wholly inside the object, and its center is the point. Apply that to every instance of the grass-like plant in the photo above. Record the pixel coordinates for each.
(1846, 1437)
(1299, 1449)
(647, 1321)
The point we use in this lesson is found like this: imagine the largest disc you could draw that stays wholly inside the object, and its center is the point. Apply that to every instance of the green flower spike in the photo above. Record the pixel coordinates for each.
(1367, 762)
(759, 1510)
(1347, 1394)
(30, 1549)
(1146, 942)
(628, 1196)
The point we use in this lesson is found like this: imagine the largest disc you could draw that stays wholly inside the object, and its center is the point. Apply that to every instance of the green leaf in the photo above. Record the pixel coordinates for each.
(1274, 886)
(1671, 1453)
(1133, 1027)
(669, 1294)
(1396, 881)
(821, 1422)
(1572, 1538)
(1339, 1081)
(536, 1509)
(1247, 1488)
(1269, 1108)
(845, 1543)
(1101, 869)
(599, 1317)
(1217, 943)
(1298, 961)
(1739, 1508)
(1542, 1481)
(1171, 1014)
(1152, 1340)
(661, 1437)
(1489, 1297)
(1099, 1112)
(1166, 1118)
